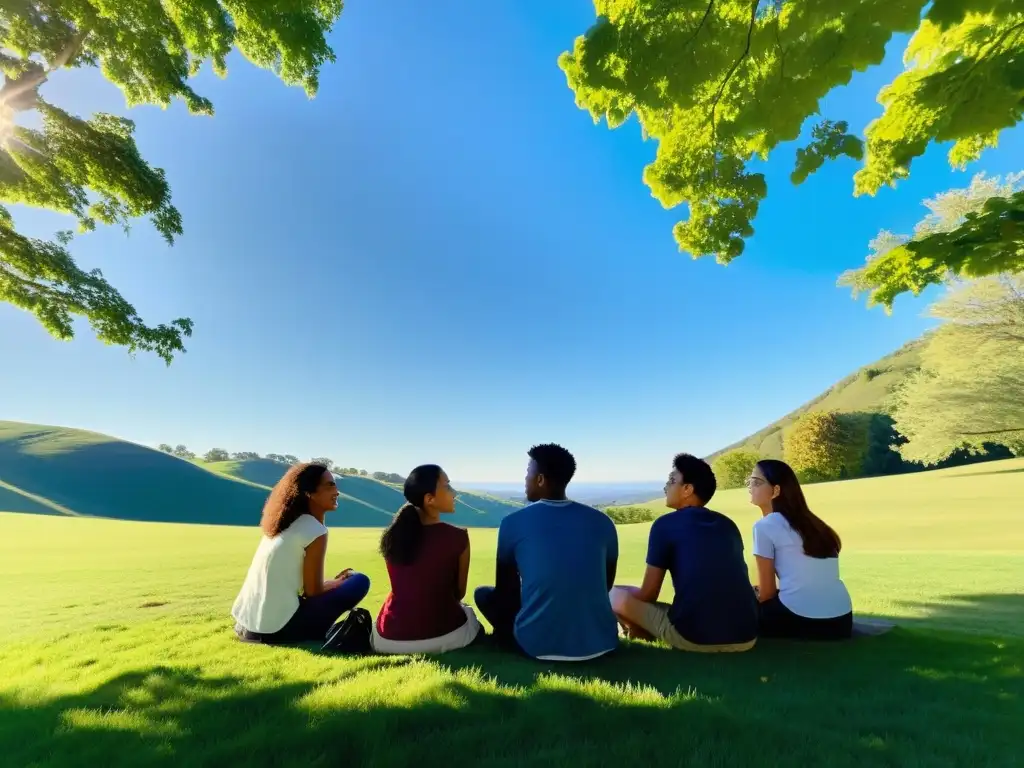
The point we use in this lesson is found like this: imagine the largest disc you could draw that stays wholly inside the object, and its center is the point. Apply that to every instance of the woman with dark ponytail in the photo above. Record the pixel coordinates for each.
(428, 564)
(809, 601)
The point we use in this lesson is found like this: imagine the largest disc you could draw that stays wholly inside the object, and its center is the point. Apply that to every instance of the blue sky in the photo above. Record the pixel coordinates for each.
(441, 259)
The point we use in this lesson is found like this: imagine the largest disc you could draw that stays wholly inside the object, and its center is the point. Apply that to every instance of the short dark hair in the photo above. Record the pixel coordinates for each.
(697, 473)
(555, 463)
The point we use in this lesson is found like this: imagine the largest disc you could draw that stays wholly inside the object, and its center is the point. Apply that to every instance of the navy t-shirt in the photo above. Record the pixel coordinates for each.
(563, 552)
(703, 551)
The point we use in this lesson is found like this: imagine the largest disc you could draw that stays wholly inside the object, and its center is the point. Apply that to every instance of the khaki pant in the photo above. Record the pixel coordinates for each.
(654, 618)
(454, 640)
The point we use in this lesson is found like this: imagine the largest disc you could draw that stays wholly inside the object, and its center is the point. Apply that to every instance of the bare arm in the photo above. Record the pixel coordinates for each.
(313, 568)
(766, 586)
(463, 580)
(648, 592)
(506, 576)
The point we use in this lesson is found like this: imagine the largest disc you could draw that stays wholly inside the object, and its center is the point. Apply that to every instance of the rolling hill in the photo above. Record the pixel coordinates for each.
(866, 391)
(60, 471)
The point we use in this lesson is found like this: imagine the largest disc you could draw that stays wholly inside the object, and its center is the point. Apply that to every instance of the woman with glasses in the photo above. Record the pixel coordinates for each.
(428, 564)
(797, 554)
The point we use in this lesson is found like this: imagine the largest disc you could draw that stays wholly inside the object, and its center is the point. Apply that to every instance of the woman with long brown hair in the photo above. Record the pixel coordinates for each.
(428, 564)
(285, 598)
(808, 600)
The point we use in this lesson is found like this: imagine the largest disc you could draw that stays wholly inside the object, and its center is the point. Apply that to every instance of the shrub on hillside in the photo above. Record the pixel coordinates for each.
(629, 515)
(733, 468)
(827, 445)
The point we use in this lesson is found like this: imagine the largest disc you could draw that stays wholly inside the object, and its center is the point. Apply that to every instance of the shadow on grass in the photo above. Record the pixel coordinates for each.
(983, 474)
(981, 614)
(906, 698)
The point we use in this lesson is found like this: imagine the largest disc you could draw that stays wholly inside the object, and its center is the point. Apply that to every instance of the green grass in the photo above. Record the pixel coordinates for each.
(55, 470)
(116, 649)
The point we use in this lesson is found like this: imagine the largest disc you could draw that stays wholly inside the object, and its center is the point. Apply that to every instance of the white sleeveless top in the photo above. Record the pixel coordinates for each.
(270, 594)
(808, 586)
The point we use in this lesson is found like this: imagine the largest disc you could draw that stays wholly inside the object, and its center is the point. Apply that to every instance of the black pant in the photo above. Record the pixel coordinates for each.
(315, 615)
(500, 610)
(777, 620)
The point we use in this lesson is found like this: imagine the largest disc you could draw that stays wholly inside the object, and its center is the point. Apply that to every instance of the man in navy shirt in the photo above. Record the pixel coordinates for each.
(714, 608)
(556, 563)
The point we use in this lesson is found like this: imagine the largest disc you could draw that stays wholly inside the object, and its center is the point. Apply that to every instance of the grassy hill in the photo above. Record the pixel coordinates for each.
(866, 390)
(117, 650)
(59, 471)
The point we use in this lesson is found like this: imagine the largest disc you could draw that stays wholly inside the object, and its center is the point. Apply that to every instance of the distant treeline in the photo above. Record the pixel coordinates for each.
(829, 445)
(287, 459)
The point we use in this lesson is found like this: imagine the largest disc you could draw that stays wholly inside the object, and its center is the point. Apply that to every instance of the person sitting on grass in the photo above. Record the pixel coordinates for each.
(285, 598)
(809, 601)
(556, 561)
(714, 608)
(428, 564)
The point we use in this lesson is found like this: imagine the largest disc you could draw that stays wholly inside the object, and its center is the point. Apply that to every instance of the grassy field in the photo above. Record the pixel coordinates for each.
(116, 649)
(61, 471)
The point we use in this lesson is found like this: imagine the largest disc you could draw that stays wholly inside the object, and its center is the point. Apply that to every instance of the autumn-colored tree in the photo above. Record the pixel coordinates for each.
(825, 445)
(91, 169)
(734, 467)
(719, 83)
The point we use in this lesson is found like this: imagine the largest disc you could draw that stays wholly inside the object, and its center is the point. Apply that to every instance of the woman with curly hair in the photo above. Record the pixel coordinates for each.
(285, 598)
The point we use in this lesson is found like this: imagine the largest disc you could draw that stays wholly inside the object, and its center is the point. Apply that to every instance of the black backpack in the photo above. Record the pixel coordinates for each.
(351, 634)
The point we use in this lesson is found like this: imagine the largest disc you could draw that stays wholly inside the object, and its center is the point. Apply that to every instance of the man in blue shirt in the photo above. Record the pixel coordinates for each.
(556, 563)
(714, 608)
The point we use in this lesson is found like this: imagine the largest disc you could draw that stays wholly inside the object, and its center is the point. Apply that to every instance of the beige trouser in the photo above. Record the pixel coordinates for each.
(654, 618)
(454, 640)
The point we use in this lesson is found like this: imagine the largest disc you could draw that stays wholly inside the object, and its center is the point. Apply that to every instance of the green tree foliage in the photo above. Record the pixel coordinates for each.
(216, 454)
(630, 515)
(389, 477)
(970, 232)
(969, 391)
(245, 456)
(165, 448)
(329, 463)
(183, 453)
(91, 169)
(283, 458)
(733, 468)
(719, 83)
(826, 445)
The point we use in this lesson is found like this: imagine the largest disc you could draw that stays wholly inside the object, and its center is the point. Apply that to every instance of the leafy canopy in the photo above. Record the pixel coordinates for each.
(970, 389)
(91, 169)
(719, 83)
(970, 232)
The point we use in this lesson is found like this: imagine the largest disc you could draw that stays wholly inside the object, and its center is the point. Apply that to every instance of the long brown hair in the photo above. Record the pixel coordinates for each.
(290, 498)
(400, 542)
(820, 541)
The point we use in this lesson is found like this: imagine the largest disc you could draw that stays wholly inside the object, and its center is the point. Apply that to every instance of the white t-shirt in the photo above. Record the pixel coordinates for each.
(270, 594)
(808, 586)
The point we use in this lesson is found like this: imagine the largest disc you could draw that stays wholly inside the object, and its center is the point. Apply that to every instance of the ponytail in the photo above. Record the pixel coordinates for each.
(400, 542)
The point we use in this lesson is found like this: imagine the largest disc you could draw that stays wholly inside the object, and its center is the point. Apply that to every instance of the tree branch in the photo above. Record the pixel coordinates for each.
(14, 92)
(732, 70)
(707, 12)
